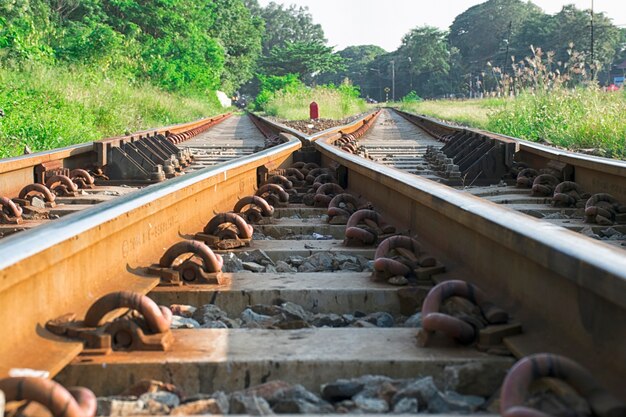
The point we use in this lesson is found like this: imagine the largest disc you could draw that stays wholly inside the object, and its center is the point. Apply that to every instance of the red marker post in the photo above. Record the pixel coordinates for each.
(314, 111)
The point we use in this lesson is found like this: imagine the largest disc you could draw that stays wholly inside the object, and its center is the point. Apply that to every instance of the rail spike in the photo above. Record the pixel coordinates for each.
(203, 267)
(37, 190)
(516, 386)
(544, 185)
(61, 402)
(81, 178)
(10, 213)
(526, 177)
(147, 327)
(325, 193)
(341, 207)
(568, 194)
(62, 185)
(274, 194)
(603, 209)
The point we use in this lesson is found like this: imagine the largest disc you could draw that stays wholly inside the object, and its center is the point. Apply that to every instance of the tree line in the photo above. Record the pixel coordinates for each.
(197, 46)
(484, 44)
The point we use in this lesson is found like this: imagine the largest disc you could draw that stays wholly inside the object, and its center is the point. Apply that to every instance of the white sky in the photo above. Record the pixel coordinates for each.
(383, 23)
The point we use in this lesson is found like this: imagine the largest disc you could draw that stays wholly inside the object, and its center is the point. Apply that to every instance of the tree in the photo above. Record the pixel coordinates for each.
(240, 34)
(307, 59)
(286, 24)
(481, 32)
(567, 31)
(357, 60)
(426, 50)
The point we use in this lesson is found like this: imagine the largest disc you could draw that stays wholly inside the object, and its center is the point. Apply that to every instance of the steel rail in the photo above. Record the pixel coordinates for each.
(347, 128)
(569, 291)
(65, 265)
(17, 172)
(592, 172)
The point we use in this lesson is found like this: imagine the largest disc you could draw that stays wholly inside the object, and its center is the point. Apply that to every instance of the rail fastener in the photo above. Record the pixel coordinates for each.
(147, 327)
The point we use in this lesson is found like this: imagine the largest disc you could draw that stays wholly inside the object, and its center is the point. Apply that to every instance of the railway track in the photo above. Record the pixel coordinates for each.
(399, 140)
(422, 303)
(79, 177)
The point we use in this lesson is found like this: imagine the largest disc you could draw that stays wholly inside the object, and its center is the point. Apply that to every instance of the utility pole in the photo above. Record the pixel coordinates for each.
(393, 80)
(508, 43)
(592, 42)
(410, 73)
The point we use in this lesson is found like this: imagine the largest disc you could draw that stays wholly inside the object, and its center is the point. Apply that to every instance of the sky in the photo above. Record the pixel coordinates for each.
(383, 23)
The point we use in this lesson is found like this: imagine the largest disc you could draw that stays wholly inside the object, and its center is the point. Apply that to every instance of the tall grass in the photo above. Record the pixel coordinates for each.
(577, 119)
(472, 113)
(334, 103)
(46, 108)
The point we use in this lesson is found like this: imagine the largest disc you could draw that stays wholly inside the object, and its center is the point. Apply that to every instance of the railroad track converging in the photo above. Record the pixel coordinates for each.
(50, 185)
(287, 274)
(537, 180)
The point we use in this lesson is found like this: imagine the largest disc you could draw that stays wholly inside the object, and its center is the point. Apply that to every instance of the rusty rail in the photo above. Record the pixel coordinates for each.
(603, 175)
(17, 172)
(51, 269)
(546, 275)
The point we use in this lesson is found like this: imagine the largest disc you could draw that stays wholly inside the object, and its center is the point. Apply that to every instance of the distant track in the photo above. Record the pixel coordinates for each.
(402, 143)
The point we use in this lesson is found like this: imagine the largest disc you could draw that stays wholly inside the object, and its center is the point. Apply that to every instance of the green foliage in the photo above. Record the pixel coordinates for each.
(472, 113)
(569, 29)
(303, 58)
(24, 28)
(180, 45)
(286, 24)
(47, 108)
(334, 102)
(358, 60)
(270, 84)
(481, 32)
(412, 97)
(574, 119)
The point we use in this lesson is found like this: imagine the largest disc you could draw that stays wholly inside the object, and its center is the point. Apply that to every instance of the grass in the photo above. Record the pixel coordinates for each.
(580, 119)
(47, 108)
(333, 103)
(472, 113)
(584, 118)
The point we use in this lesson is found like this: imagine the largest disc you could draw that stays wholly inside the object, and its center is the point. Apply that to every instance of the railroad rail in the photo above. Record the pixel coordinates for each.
(541, 181)
(336, 267)
(48, 185)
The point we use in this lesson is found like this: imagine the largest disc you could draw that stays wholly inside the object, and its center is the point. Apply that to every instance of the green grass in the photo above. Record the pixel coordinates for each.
(333, 103)
(47, 108)
(584, 118)
(472, 113)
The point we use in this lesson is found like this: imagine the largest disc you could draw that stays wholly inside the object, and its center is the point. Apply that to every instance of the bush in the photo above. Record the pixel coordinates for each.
(270, 84)
(47, 108)
(292, 102)
(412, 97)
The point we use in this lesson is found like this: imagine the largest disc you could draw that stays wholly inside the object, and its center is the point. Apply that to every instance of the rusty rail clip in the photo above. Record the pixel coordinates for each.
(226, 231)
(145, 327)
(205, 270)
(489, 330)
